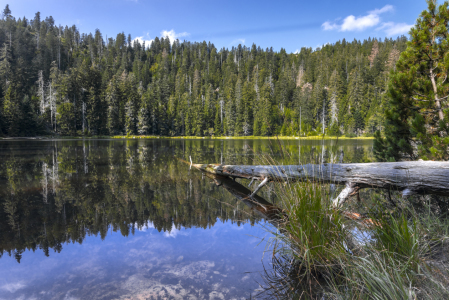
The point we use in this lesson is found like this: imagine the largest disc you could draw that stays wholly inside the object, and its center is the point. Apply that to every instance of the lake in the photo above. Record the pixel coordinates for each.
(126, 219)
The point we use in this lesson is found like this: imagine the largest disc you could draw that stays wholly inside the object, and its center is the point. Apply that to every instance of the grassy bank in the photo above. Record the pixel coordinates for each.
(243, 137)
(195, 137)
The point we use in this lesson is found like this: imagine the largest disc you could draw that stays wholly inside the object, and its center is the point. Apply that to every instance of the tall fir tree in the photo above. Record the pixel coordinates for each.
(417, 122)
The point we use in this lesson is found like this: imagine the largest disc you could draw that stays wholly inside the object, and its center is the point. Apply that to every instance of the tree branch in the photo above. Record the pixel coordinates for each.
(422, 100)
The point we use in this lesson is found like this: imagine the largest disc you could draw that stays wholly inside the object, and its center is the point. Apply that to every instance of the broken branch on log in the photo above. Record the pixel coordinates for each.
(256, 203)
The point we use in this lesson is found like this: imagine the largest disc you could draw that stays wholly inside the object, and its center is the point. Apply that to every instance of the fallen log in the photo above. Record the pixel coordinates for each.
(410, 177)
(257, 204)
(265, 209)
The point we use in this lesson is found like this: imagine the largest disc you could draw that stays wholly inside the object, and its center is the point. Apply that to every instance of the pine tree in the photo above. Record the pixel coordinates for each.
(112, 100)
(65, 117)
(199, 123)
(374, 53)
(131, 106)
(6, 12)
(417, 90)
(239, 109)
(29, 125)
(333, 105)
(94, 110)
(11, 112)
(267, 126)
(5, 64)
(144, 120)
(217, 122)
(230, 118)
(247, 103)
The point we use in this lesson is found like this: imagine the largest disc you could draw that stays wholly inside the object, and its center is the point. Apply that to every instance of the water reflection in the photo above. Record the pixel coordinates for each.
(57, 195)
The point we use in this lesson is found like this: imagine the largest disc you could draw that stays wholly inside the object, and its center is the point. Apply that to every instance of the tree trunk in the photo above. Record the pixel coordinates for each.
(435, 91)
(411, 177)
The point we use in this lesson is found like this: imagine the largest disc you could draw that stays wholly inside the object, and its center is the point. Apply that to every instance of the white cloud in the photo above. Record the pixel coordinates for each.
(172, 35)
(392, 28)
(174, 233)
(238, 41)
(352, 23)
(144, 228)
(13, 287)
(329, 26)
(145, 39)
(69, 297)
(384, 9)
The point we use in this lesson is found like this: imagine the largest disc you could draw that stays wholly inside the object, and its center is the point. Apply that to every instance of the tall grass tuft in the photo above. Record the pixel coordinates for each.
(401, 236)
(309, 246)
(314, 230)
(373, 276)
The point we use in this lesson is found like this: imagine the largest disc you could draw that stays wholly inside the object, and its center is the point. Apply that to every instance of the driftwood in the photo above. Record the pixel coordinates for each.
(412, 177)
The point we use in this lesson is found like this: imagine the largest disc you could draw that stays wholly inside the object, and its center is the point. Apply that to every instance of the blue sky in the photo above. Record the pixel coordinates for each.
(287, 24)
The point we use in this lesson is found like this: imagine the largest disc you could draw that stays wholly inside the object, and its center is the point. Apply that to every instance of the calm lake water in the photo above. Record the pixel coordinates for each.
(125, 219)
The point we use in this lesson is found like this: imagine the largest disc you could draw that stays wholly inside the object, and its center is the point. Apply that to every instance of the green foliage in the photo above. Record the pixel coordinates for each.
(417, 89)
(334, 130)
(314, 231)
(64, 118)
(397, 256)
(398, 237)
(175, 89)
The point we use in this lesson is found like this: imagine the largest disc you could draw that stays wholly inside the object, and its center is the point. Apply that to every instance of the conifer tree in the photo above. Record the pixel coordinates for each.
(217, 122)
(239, 109)
(11, 111)
(418, 92)
(112, 100)
(144, 122)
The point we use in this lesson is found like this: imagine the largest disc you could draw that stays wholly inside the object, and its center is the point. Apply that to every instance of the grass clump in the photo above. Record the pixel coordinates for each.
(319, 254)
(402, 238)
(399, 262)
(310, 245)
(314, 231)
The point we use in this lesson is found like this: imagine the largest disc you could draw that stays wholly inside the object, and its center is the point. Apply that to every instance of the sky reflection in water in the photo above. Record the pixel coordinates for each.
(125, 219)
(208, 264)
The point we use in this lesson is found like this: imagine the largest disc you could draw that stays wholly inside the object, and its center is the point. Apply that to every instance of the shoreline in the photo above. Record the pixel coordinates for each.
(190, 137)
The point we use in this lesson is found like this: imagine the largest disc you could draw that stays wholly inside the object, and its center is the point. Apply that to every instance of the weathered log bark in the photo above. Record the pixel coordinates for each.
(411, 177)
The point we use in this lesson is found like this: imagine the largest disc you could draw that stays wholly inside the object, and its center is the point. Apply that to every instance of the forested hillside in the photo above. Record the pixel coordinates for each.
(56, 80)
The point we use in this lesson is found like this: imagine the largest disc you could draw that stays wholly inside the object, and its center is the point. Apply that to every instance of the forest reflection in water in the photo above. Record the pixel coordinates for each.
(54, 193)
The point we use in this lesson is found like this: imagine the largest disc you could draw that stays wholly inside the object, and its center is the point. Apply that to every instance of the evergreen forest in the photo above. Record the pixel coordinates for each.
(55, 80)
